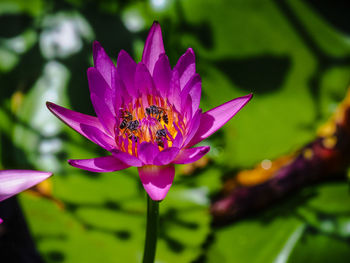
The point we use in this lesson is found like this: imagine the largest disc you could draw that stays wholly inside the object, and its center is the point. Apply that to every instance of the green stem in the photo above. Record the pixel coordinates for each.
(151, 231)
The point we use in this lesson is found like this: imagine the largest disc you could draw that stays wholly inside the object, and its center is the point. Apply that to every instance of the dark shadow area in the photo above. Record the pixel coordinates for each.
(24, 75)
(335, 13)
(260, 74)
(55, 256)
(16, 243)
(12, 25)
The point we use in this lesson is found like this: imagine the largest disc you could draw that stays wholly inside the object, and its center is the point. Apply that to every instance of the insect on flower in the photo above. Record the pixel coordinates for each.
(148, 114)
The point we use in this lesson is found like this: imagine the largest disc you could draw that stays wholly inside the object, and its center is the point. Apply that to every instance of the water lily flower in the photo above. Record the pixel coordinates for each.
(13, 182)
(148, 114)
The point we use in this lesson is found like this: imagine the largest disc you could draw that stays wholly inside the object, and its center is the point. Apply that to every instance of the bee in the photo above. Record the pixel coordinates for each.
(160, 134)
(158, 112)
(127, 117)
(130, 126)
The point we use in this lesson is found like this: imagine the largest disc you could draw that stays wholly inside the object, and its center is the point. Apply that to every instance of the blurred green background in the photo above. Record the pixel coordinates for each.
(293, 55)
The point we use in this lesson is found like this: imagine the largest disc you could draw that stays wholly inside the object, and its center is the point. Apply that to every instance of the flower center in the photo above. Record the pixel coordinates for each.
(155, 121)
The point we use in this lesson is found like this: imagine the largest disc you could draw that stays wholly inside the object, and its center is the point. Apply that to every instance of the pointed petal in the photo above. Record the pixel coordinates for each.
(191, 155)
(194, 89)
(174, 91)
(127, 158)
(215, 118)
(178, 140)
(186, 67)
(107, 119)
(100, 164)
(193, 126)
(144, 81)
(101, 89)
(102, 62)
(14, 181)
(99, 137)
(162, 75)
(166, 156)
(157, 180)
(147, 152)
(126, 67)
(121, 95)
(79, 122)
(153, 47)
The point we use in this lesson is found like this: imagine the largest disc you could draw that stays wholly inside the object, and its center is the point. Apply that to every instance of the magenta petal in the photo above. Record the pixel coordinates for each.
(178, 140)
(194, 89)
(193, 126)
(99, 86)
(1, 221)
(127, 158)
(147, 152)
(186, 67)
(166, 156)
(186, 107)
(105, 116)
(144, 81)
(98, 136)
(157, 180)
(78, 120)
(102, 62)
(153, 47)
(174, 91)
(120, 93)
(14, 181)
(215, 118)
(162, 75)
(100, 165)
(191, 155)
(126, 67)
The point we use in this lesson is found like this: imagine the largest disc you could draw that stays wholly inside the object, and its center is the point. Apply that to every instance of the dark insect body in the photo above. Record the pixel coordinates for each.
(126, 116)
(159, 113)
(160, 134)
(128, 125)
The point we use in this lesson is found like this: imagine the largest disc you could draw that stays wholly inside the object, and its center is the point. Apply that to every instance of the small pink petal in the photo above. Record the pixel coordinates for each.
(215, 118)
(162, 75)
(100, 164)
(147, 152)
(99, 137)
(127, 158)
(166, 156)
(157, 180)
(174, 92)
(194, 89)
(102, 62)
(13, 182)
(144, 81)
(193, 126)
(126, 67)
(101, 89)
(186, 67)
(106, 117)
(154, 47)
(191, 155)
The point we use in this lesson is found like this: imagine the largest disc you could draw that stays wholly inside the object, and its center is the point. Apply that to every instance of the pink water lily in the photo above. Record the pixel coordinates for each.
(13, 182)
(148, 114)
